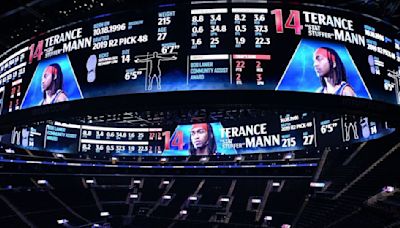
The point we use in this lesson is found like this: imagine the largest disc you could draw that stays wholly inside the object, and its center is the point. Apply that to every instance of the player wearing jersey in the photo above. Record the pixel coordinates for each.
(331, 72)
(52, 85)
(202, 140)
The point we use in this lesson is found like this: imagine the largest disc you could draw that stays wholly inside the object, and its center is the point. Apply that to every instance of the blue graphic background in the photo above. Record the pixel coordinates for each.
(301, 76)
(34, 95)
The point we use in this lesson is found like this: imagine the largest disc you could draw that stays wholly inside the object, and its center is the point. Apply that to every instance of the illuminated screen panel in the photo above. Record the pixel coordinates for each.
(123, 141)
(213, 46)
(272, 132)
(276, 133)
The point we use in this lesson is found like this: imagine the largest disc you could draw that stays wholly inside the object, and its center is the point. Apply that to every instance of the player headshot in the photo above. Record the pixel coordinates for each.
(52, 85)
(331, 72)
(202, 140)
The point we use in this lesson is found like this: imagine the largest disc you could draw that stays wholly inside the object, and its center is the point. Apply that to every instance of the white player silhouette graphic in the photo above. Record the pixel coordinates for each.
(153, 69)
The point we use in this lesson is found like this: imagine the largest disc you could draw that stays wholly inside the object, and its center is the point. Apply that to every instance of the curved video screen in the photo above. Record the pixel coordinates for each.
(272, 132)
(205, 45)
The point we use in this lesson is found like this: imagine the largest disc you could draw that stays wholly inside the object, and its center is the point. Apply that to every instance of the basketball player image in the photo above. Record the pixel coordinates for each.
(202, 140)
(52, 85)
(154, 70)
(331, 72)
